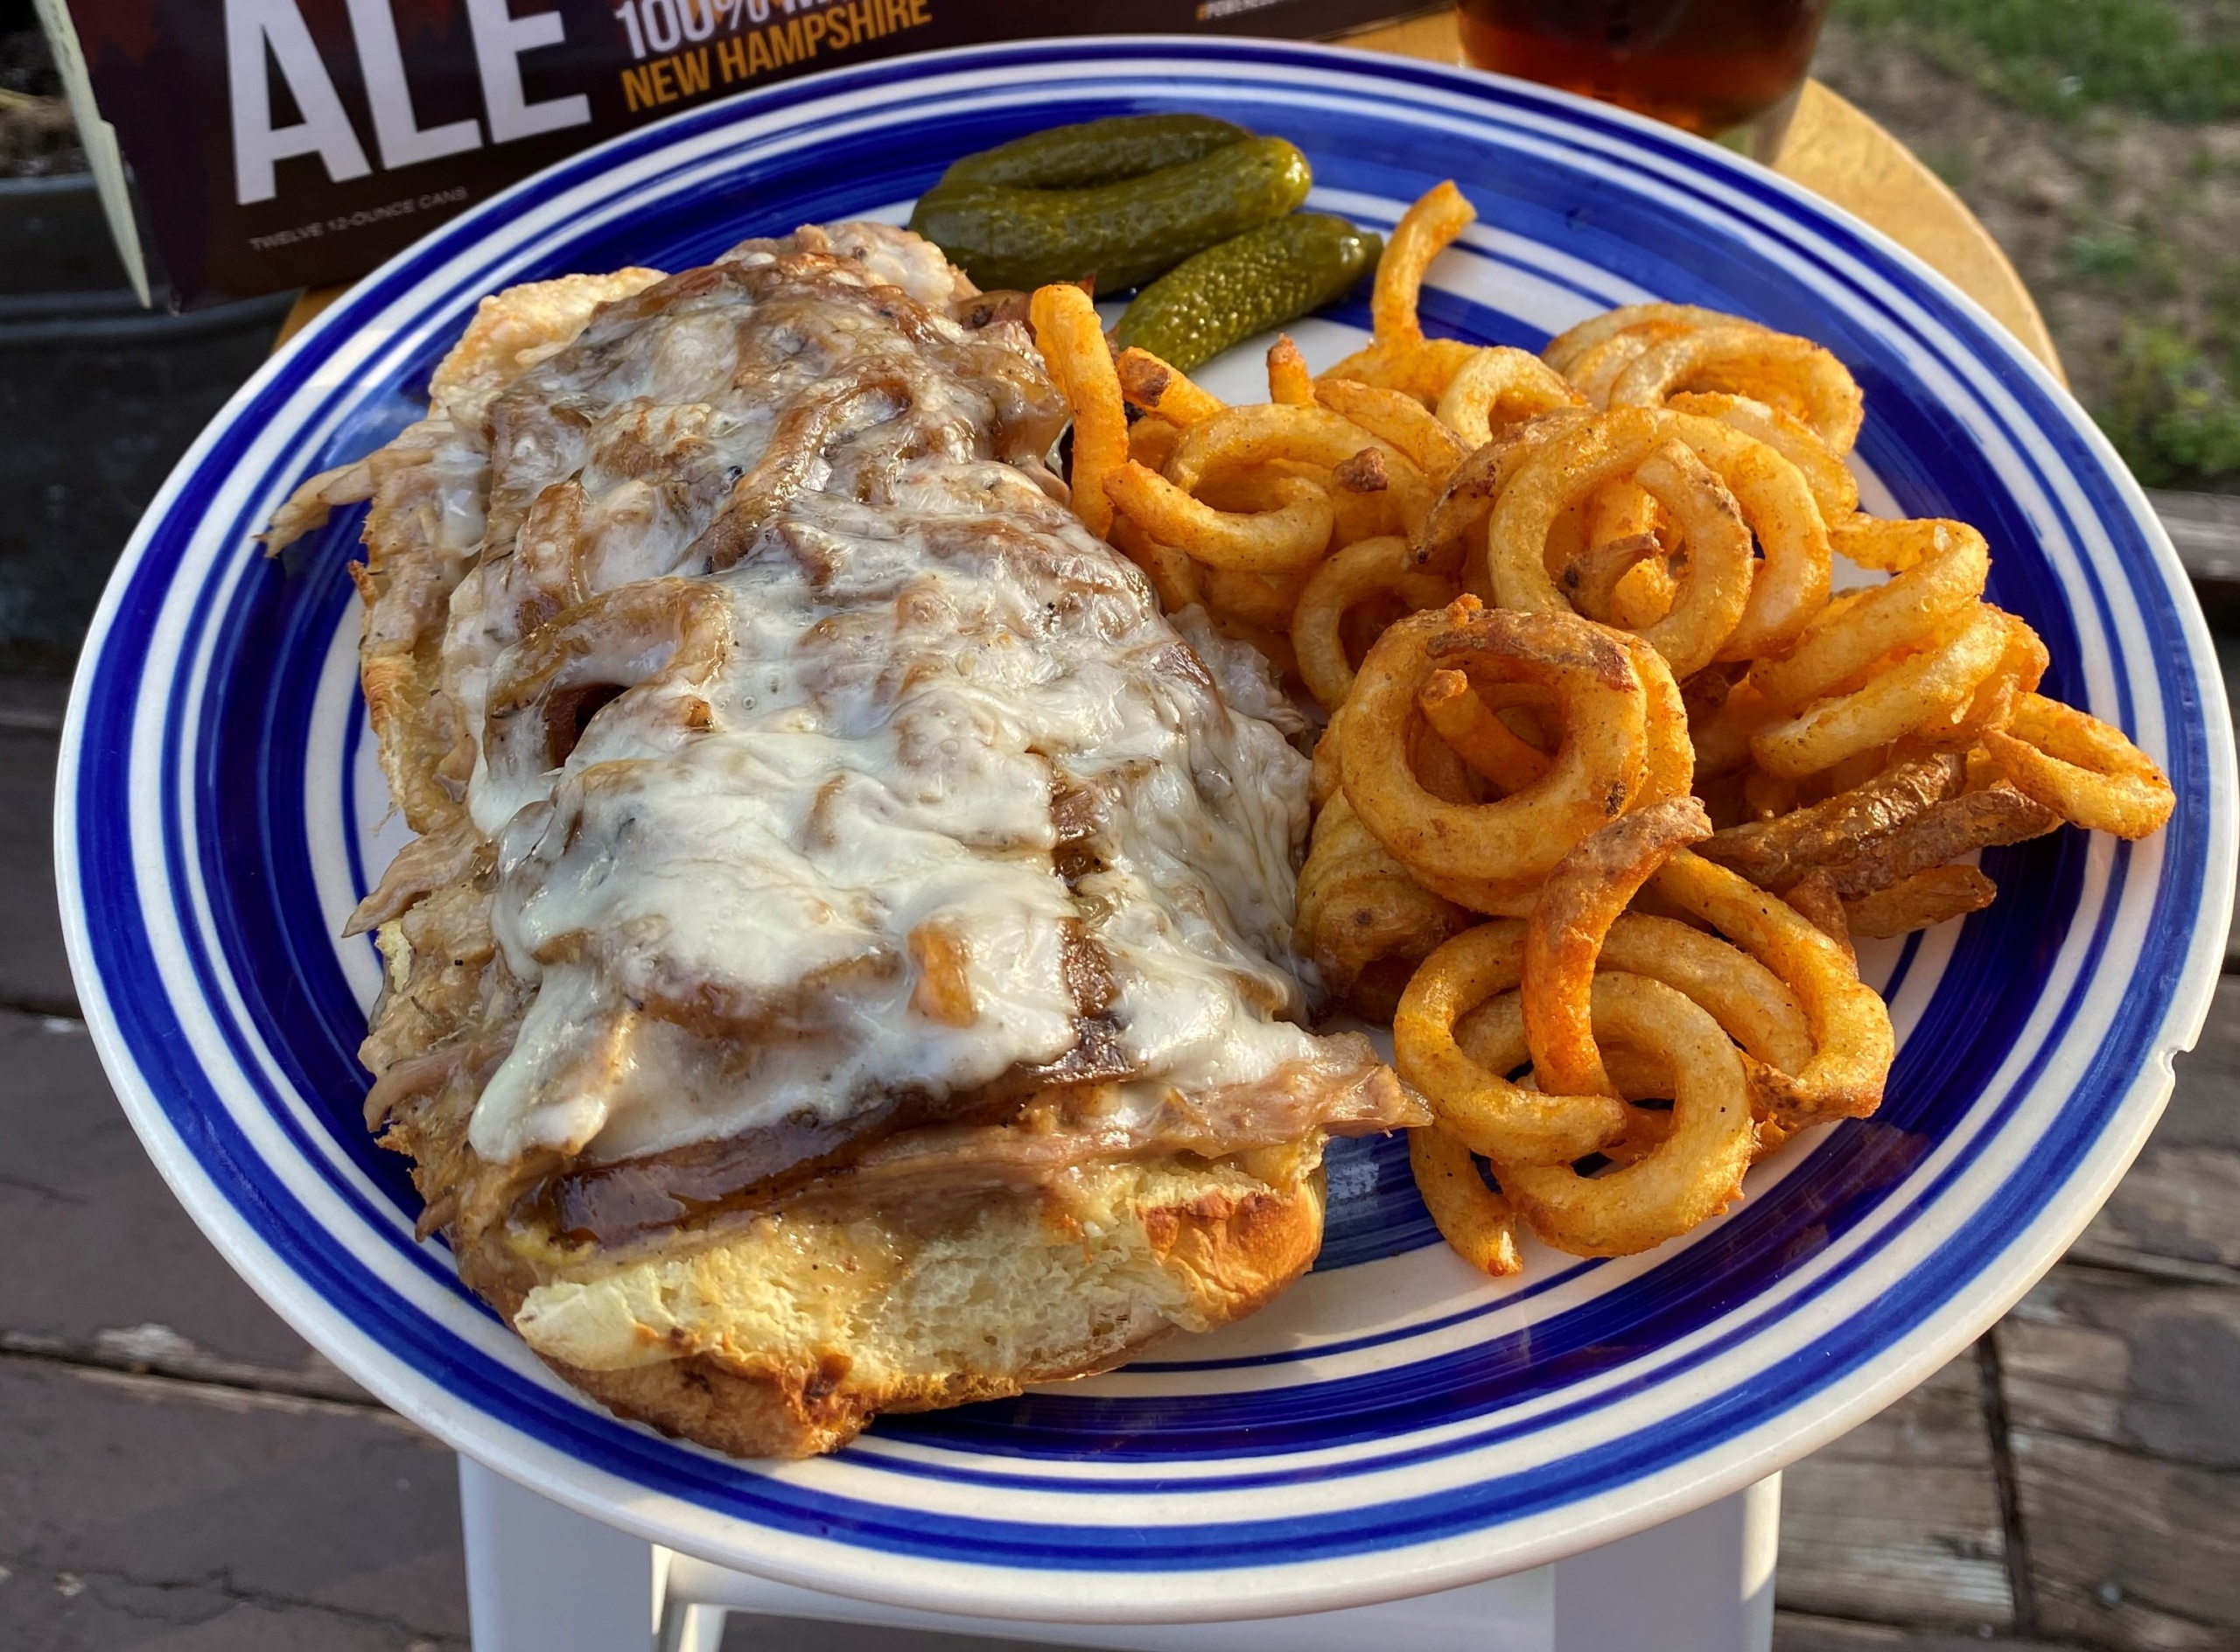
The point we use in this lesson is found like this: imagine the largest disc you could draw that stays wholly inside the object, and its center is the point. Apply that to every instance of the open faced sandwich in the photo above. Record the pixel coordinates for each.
(844, 964)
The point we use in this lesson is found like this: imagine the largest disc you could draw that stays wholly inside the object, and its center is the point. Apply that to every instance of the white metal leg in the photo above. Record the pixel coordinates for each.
(1701, 1583)
(541, 1578)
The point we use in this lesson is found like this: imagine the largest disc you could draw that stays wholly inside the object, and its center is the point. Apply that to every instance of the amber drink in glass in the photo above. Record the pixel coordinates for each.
(1711, 66)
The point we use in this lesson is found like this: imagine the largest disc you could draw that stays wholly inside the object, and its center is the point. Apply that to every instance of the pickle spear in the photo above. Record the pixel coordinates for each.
(1258, 280)
(1096, 151)
(1125, 233)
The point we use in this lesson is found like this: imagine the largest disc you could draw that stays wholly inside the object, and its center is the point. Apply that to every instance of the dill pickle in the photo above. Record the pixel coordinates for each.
(1261, 279)
(1122, 233)
(1096, 151)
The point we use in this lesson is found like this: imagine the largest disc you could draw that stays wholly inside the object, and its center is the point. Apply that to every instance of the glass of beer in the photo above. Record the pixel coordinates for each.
(1710, 66)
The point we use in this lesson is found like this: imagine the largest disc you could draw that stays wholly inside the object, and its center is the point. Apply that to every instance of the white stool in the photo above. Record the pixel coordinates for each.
(543, 1578)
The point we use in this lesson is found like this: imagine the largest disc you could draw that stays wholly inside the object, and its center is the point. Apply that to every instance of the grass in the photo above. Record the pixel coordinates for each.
(2100, 142)
(2174, 415)
(2173, 59)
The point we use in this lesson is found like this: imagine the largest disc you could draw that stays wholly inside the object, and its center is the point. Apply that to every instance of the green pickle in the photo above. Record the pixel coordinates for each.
(1259, 280)
(1097, 151)
(1004, 235)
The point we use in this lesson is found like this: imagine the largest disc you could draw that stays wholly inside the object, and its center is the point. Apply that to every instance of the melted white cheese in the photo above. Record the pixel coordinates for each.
(716, 894)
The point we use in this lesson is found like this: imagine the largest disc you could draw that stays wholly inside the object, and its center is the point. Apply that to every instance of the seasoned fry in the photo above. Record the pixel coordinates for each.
(1563, 937)
(1511, 1125)
(2081, 768)
(1472, 1217)
(1501, 384)
(1288, 383)
(1564, 350)
(1940, 568)
(1459, 513)
(1816, 898)
(1399, 420)
(1790, 373)
(1363, 921)
(1422, 234)
(1778, 853)
(1919, 691)
(1239, 439)
(1291, 535)
(1479, 738)
(1747, 998)
(1154, 386)
(1723, 605)
(1591, 583)
(1853, 1043)
(1834, 488)
(1071, 338)
(1598, 768)
(1941, 833)
(1694, 1173)
(1370, 569)
(1172, 572)
(1920, 902)
(1668, 769)
(1423, 368)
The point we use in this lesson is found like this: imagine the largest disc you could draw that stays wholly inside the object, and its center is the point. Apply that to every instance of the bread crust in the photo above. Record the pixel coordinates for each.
(1221, 1241)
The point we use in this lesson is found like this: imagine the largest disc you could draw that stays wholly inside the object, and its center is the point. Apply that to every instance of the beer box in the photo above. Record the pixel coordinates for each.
(281, 143)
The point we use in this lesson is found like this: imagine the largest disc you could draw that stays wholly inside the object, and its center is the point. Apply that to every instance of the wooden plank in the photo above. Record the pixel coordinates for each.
(2127, 1456)
(2144, 1365)
(34, 973)
(1898, 1521)
(1803, 1631)
(136, 1511)
(2178, 1212)
(2129, 1552)
(103, 1264)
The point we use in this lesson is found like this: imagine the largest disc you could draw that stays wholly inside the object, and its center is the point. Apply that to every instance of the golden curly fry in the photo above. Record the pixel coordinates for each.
(1693, 1173)
(1916, 692)
(1472, 1219)
(1790, 372)
(1940, 568)
(1071, 338)
(1399, 420)
(1371, 569)
(1494, 853)
(1288, 383)
(1852, 1042)
(1291, 535)
(1422, 234)
(2086, 771)
(1562, 936)
(1747, 998)
(1835, 490)
(1501, 385)
(1158, 387)
(1509, 1124)
(1477, 736)
(1363, 921)
(1777, 853)
(1563, 351)
(1730, 488)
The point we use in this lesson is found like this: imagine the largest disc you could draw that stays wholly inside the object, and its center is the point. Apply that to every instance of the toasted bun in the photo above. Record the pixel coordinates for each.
(786, 1337)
